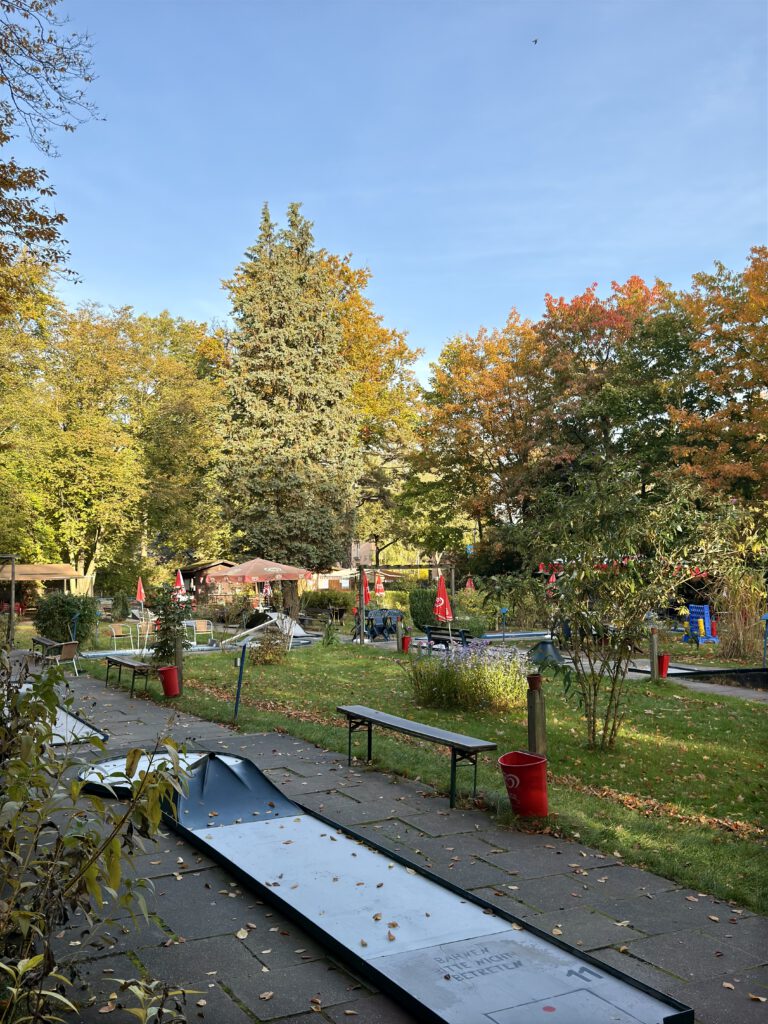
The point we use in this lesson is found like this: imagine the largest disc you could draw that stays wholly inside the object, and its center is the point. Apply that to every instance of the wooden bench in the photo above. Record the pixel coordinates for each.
(464, 749)
(140, 667)
(441, 636)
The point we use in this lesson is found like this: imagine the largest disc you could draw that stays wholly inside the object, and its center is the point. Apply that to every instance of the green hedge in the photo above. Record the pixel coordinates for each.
(323, 598)
(56, 611)
(422, 602)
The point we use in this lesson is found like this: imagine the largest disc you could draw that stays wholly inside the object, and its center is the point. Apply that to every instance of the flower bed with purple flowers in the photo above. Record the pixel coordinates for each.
(470, 678)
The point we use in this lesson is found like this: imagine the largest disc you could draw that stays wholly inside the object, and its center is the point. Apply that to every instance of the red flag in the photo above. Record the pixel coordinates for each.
(140, 595)
(470, 584)
(379, 585)
(366, 591)
(179, 584)
(442, 608)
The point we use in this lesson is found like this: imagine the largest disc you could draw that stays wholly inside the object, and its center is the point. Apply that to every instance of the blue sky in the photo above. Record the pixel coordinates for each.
(470, 169)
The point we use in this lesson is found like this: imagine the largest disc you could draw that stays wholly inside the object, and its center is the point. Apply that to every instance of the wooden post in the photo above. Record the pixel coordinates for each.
(361, 607)
(453, 583)
(12, 610)
(180, 663)
(399, 635)
(537, 717)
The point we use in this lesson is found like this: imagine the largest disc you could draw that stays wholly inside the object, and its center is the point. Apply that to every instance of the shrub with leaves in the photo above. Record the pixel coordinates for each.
(58, 614)
(170, 626)
(120, 606)
(62, 852)
(271, 649)
(473, 678)
(422, 601)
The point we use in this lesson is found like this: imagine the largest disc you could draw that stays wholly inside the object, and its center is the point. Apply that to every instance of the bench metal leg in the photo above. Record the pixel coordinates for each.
(133, 681)
(354, 725)
(458, 758)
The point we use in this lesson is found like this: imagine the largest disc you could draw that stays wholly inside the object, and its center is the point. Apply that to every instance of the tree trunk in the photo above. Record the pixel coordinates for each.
(291, 598)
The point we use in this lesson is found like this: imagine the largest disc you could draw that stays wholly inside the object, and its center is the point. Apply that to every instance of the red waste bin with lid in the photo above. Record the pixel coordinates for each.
(525, 776)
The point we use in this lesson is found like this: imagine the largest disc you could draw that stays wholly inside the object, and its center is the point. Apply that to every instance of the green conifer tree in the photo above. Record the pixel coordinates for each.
(290, 455)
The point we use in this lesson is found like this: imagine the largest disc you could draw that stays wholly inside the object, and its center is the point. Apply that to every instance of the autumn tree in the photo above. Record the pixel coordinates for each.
(290, 457)
(724, 428)
(613, 363)
(481, 430)
(25, 322)
(386, 400)
(44, 68)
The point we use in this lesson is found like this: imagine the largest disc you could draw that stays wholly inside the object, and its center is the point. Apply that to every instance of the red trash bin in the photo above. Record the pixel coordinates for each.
(169, 677)
(406, 644)
(662, 662)
(525, 776)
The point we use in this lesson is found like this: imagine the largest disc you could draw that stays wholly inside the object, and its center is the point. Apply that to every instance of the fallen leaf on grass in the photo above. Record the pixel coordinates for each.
(621, 924)
(109, 1008)
(713, 917)
(557, 931)
(201, 1002)
(266, 995)
(727, 984)
(758, 999)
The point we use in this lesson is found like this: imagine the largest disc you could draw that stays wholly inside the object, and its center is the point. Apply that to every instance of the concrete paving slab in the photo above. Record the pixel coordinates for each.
(694, 955)
(716, 1004)
(296, 989)
(369, 1009)
(584, 928)
(670, 911)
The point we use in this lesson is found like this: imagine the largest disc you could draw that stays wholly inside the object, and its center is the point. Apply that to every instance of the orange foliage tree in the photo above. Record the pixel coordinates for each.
(724, 428)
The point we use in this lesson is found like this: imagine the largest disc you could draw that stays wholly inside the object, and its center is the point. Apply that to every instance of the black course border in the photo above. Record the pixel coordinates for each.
(347, 957)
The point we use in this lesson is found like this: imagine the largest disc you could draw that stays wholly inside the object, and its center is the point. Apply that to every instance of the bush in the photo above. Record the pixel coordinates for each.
(120, 606)
(170, 627)
(56, 612)
(422, 601)
(60, 856)
(346, 599)
(400, 601)
(272, 648)
(476, 625)
(473, 678)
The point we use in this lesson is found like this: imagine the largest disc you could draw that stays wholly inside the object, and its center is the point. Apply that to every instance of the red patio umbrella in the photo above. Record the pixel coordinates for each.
(470, 584)
(378, 587)
(366, 591)
(179, 584)
(442, 607)
(140, 595)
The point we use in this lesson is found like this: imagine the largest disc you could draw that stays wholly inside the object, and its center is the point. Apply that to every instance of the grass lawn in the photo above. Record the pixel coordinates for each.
(684, 793)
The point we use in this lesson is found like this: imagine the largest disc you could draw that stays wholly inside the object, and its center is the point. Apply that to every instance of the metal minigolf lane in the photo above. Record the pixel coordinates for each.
(444, 954)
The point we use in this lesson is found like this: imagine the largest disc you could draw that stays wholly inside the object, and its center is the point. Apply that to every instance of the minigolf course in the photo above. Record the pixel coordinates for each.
(444, 954)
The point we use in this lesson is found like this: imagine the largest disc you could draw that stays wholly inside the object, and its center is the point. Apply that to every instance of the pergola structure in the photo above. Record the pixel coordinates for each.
(13, 572)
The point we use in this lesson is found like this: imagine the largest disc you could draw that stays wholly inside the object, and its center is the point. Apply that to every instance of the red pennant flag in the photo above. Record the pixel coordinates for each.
(442, 608)
(140, 595)
(379, 585)
(179, 584)
(470, 584)
(366, 591)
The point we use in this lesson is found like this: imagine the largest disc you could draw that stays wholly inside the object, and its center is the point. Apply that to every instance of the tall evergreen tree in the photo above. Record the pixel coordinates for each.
(290, 455)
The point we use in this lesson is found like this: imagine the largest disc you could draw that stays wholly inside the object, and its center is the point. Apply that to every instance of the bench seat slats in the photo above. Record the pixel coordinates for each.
(428, 732)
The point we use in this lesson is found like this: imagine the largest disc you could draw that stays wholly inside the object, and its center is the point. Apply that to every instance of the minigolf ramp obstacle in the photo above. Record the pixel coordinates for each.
(442, 953)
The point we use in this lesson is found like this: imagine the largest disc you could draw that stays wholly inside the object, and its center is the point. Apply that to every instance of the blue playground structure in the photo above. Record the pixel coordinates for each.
(700, 626)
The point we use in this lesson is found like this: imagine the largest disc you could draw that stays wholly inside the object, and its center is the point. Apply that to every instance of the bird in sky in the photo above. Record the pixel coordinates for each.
(535, 42)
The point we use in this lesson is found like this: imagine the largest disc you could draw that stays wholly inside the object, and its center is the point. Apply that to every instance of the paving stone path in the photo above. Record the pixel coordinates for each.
(683, 943)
